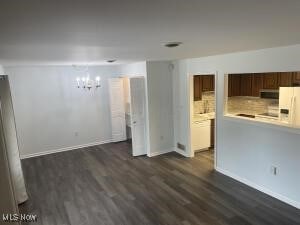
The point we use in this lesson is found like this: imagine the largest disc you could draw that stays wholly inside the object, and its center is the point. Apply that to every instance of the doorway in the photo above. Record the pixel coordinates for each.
(202, 119)
(130, 96)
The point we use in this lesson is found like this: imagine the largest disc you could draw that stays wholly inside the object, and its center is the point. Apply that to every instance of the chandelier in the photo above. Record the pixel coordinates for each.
(86, 82)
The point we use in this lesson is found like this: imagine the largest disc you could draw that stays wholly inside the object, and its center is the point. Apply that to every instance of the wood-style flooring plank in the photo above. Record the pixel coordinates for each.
(106, 185)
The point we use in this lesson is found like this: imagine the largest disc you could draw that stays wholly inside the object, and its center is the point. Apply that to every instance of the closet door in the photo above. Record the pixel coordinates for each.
(138, 115)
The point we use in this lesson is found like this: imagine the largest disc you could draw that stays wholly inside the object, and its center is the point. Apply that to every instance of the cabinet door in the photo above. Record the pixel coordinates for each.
(207, 82)
(257, 84)
(285, 79)
(271, 81)
(246, 85)
(212, 77)
(197, 88)
(234, 85)
(296, 79)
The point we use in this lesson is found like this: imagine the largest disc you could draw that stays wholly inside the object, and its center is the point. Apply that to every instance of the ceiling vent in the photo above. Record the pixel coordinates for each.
(173, 44)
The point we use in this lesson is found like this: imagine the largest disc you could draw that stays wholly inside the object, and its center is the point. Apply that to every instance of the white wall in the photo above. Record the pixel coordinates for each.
(1, 70)
(246, 151)
(160, 100)
(134, 69)
(52, 113)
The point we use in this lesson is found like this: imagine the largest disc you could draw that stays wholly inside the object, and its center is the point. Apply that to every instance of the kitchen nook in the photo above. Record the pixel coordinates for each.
(272, 98)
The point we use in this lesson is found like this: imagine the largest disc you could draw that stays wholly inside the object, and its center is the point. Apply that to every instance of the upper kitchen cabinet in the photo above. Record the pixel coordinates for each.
(246, 85)
(285, 79)
(270, 81)
(296, 79)
(257, 84)
(203, 83)
(197, 88)
(208, 83)
(234, 85)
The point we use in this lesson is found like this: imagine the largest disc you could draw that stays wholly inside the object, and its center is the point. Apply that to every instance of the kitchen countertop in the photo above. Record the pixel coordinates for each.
(204, 116)
(262, 121)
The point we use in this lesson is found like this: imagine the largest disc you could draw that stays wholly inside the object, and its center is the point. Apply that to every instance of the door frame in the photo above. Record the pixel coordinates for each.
(190, 100)
(110, 104)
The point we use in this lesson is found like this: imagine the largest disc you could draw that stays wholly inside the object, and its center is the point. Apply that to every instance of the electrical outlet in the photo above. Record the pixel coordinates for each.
(76, 134)
(274, 170)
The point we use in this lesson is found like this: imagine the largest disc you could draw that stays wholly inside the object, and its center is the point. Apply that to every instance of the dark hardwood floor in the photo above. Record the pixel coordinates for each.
(106, 185)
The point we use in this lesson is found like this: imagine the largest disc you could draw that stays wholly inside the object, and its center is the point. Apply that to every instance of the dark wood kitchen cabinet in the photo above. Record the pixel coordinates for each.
(251, 84)
(246, 85)
(234, 85)
(270, 81)
(285, 79)
(296, 79)
(203, 83)
(197, 88)
(257, 84)
(208, 83)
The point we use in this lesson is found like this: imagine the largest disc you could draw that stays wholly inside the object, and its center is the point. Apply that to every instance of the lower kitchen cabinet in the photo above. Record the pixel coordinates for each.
(201, 134)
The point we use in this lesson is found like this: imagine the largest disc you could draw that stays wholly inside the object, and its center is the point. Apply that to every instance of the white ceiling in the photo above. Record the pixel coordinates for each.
(68, 31)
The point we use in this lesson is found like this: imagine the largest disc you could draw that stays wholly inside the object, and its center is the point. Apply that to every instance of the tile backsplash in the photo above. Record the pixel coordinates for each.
(207, 104)
(249, 105)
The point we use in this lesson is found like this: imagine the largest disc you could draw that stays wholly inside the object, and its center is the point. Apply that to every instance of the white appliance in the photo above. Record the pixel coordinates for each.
(289, 105)
(201, 135)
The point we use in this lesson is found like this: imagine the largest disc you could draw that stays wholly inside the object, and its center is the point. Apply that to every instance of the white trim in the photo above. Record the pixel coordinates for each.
(64, 149)
(181, 152)
(161, 152)
(260, 188)
(190, 92)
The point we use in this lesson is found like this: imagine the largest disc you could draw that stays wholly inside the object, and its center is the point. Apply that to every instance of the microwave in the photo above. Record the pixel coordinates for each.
(269, 93)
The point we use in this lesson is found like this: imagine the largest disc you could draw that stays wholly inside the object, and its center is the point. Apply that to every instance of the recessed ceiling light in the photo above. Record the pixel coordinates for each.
(111, 60)
(173, 44)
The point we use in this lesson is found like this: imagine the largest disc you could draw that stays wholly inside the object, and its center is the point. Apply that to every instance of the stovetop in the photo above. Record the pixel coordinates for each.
(268, 115)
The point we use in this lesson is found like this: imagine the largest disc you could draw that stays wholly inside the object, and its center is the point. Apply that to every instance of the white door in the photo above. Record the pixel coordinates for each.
(118, 125)
(138, 112)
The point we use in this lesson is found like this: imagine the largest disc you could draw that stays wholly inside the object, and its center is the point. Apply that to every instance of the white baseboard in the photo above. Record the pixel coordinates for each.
(161, 152)
(260, 188)
(64, 149)
(181, 152)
